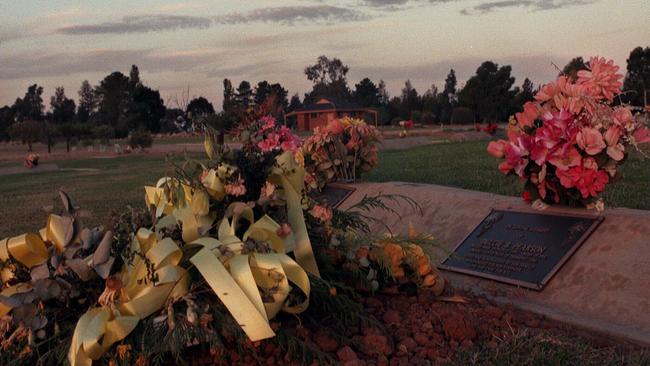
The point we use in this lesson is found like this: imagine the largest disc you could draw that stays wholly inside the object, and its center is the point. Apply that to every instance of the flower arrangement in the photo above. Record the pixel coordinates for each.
(208, 264)
(568, 144)
(490, 127)
(31, 160)
(406, 126)
(340, 151)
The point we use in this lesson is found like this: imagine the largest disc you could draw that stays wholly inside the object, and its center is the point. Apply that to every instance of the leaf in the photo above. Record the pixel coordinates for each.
(40, 272)
(79, 267)
(68, 204)
(10, 302)
(103, 251)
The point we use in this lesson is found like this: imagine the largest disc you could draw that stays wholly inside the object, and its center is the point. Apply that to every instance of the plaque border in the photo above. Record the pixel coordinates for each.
(350, 190)
(529, 285)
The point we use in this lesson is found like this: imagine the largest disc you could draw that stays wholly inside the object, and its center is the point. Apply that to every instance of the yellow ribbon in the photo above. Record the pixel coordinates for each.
(237, 281)
(290, 176)
(99, 328)
(30, 250)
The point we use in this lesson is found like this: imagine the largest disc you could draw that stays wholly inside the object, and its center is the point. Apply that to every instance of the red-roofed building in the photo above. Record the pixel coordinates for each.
(326, 110)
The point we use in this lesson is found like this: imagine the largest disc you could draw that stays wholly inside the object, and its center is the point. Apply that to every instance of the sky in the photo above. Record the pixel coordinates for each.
(194, 45)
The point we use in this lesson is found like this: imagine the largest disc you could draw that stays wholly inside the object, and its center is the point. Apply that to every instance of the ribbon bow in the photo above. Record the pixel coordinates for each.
(31, 250)
(237, 280)
(99, 328)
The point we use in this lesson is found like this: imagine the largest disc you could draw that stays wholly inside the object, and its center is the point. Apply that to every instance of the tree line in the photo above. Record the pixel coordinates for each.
(121, 104)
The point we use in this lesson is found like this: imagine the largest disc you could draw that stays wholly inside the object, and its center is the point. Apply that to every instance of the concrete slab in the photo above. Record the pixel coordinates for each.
(604, 287)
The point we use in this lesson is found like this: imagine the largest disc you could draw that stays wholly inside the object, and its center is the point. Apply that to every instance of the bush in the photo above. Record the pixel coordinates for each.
(103, 133)
(395, 121)
(462, 116)
(416, 116)
(427, 118)
(28, 132)
(140, 139)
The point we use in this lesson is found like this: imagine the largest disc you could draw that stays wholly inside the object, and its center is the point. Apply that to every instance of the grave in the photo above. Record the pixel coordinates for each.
(604, 286)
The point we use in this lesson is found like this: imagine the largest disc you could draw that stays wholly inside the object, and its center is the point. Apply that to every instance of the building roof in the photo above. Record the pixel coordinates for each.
(329, 104)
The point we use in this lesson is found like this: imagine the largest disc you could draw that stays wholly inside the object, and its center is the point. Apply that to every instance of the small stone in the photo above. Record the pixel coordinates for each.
(373, 302)
(325, 342)
(392, 317)
(421, 339)
(408, 343)
(346, 354)
(494, 311)
(456, 327)
(374, 344)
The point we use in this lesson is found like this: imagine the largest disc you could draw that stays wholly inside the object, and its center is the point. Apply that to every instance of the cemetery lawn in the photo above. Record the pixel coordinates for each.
(97, 185)
(467, 165)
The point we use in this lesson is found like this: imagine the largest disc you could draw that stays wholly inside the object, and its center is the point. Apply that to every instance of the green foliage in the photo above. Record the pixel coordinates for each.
(416, 116)
(462, 115)
(140, 139)
(103, 133)
(27, 131)
(488, 93)
(637, 81)
(571, 69)
(356, 219)
(199, 107)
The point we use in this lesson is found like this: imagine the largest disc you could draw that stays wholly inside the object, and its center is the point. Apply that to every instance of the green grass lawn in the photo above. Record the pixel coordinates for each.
(467, 165)
(116, 183)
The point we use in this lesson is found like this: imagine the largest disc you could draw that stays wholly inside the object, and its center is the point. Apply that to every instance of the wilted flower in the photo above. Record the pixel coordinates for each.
(284, 230)
(321, 212)
(236, 188)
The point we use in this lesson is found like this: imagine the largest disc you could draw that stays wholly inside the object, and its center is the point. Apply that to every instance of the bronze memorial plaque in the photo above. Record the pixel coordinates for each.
(524, 249)
(334, 194)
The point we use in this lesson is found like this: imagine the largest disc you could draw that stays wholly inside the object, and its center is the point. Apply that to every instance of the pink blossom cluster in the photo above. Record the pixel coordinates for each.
(569, 142)
(274, 138)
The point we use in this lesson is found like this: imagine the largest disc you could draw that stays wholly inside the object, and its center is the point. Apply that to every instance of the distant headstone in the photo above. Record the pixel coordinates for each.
(520, 248)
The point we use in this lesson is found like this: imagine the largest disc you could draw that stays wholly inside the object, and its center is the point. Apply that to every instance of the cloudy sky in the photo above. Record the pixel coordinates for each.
(195, 44)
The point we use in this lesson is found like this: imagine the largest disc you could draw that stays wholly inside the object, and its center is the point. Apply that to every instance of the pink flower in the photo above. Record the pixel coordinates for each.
(565, 157)
(290, 142)
(623, 116)
(548, 91)
(270, 143)
(335, 127)
(589, 182)
(614, 149)
(284, 230)
(601, 79)
(590, 140)
(321, 212)
(268, 123)
(267, 190)
(590, 163)
(528, 116)
(497, 148)
(236, 188)
(516, 154)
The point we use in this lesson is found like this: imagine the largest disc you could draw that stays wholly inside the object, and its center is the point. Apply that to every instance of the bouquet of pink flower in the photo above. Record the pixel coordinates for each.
(569, 143)
(406, 126)
(340, 151)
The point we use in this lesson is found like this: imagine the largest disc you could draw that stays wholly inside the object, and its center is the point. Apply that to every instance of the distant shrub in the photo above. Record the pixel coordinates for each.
(103, 133)
(395, 121)
(462, 116)
(140, 139)
(427, 118)
(416, 116)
